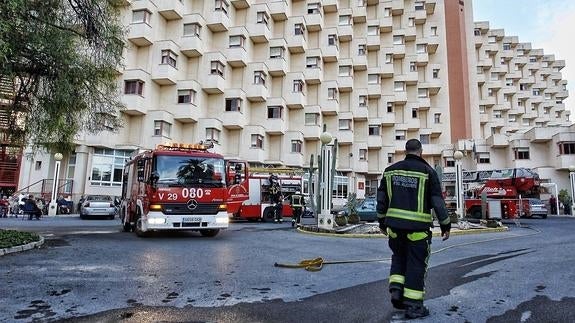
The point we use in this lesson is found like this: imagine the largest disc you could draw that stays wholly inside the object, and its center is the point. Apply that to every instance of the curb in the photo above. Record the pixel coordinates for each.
(382, 236)
(23, 247)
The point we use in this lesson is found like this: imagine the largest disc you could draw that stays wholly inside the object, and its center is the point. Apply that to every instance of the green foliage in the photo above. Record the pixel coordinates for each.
(12, 238)
(352, 203)
(564, 197)
(59, 63)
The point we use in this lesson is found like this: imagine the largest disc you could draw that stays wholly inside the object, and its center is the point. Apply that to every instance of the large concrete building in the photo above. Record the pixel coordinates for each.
(260, 79)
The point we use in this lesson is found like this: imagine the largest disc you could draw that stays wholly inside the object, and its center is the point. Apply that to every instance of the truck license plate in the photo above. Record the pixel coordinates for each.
(193, 219)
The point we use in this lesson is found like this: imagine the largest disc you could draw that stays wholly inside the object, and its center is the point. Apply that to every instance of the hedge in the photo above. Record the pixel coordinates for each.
(12, 238)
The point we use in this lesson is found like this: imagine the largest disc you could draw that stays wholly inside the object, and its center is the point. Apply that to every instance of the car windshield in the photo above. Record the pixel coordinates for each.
(99, 198)
(176, 171)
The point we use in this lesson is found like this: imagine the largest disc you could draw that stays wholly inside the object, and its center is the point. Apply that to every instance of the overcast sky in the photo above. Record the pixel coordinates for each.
(547, 24)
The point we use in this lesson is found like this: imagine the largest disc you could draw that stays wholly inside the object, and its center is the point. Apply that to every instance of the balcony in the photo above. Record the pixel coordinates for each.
(385, 24)
(359, 113)
(563, 161)
(171, 9)
(259, 33)
(135, 104)
(330, 107)
(314, 22)
(375, 142)
(313, 75)
(344, 137)
(374, 90)
(420, 17)
(373, 42)
(192, 46)
(345, 83)
(294, 100)
(186, 113)
(279, 9)
(218, 21)
(422, 59)
(400, 97)
(330, 5)
(361, 166)
(296, 43)
(359, 14)
(430, 6)
(345, 33)
(397, 7)
(164, 74)
(388, 119)
(257, 93)
(141, 34)
(330, 53)
(359, 62)
(233, 120)
(538, 135)
(275, 126)
(237, 56)
(277, 66)
(214, 84)
(241, 4)
(398, 51)
(312, 131)
(293, 159)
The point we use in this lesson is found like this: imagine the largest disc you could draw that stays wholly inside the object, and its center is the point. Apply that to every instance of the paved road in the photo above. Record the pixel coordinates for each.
(89, 271)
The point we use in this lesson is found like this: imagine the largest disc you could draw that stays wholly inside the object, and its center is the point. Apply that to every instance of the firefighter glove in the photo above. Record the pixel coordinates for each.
(445, 229)
(382, 225)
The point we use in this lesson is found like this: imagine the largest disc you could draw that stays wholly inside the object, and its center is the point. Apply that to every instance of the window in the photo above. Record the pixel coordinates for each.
(512, 118)
(521, 153)
(344, 124)
(437, 118)
(313, 8)
(449, 162)
(399, 86)
(410, 22)
(373, 130)
(477, 32)
(361, 3)
(412, 67)
(340, 184)
(495, 76)
(299, 29)
(169, 57)
(312, 62)
(257, 141)
(187, 96)
(361, 49)
(373, 79)
(277, 52)
(139, 16)
(233, 104)
(213, 135)
(433, 31)
(345, 20)
(296, 146)
(222, 5)
(419, 5)
(345, 70)
(332, 40)
(362, 101)
(237, 41)
(424, 139)
(388, 58)
(332, 93)
(497, 114)
(422, 93)
(435, 73)
(192, 29)
(508, 82)
(520, 103)
(421, 48)
(502, 61)
(162, 128)
(387, 12)
(275, 112)
(414, 113)
(263, 18)
(260, 78)
(399, 134)
(506, 46)
(311, 119)
(536, 92)
(373, 30)
(490, 92)
(389, 107)
(298, 86)
(491, 39)
(363, 154)
(38, 165)
(133, 87)
(532, 59)
(483, 158)
(481, 109)
(217, 68)
(567, 148)
(389, 158)
(398, 40)
(108, 166)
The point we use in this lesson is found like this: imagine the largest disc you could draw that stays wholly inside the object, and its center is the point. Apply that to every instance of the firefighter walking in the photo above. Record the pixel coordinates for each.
(297, 203)
(276, 197)
(408, 191)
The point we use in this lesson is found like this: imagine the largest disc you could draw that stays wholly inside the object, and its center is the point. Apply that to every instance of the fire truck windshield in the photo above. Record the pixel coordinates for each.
(194, 171)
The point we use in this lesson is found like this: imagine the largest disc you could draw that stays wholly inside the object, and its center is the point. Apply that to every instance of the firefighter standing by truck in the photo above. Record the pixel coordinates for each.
(408, 191)
(297, 203)
(276, 197)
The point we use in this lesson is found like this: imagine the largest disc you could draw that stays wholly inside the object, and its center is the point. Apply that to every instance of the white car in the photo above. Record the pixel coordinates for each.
(98, 206)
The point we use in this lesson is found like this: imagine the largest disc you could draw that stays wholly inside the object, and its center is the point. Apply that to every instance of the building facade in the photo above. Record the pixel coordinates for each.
(261, 80)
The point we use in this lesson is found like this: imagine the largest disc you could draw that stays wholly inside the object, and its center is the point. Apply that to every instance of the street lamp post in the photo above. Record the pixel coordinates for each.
(325, 218)
(458, 155)
(572, 182)
(52, 209)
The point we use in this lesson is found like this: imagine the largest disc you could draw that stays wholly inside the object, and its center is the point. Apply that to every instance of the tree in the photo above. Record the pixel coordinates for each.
(58, 70)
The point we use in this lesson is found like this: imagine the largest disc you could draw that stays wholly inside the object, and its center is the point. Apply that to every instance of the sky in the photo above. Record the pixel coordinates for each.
(546, 24)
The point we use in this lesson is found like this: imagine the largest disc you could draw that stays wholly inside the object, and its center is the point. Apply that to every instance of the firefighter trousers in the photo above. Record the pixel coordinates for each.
(411, 252)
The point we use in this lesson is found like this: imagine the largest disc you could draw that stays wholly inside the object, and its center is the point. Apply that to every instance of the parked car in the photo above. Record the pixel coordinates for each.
(536, 208)
(98, 206)
(365, 209)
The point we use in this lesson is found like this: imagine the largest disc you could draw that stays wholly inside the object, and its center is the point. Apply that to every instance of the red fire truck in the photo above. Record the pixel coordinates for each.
(177, 187)
(258, 205)
(506, 192)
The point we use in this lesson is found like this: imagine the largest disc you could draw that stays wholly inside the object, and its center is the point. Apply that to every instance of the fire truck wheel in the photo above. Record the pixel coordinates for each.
(476, 213)
(138, 227)
(209, 232)
(268, 214)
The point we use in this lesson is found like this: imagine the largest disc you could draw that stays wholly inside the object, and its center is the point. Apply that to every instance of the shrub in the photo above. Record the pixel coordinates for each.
(12, 238)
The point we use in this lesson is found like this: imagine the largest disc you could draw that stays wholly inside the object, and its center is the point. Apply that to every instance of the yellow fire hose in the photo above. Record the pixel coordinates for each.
(316, 264)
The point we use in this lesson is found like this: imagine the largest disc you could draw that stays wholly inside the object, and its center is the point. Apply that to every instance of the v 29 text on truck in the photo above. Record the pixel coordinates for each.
(176, 187)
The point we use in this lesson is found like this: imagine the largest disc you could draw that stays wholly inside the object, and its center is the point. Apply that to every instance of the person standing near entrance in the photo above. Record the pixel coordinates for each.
(553, 205)
(407, 193)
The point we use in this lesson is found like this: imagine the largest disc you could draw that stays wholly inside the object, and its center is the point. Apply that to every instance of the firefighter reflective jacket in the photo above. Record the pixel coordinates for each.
(296, 200)
(408, 191)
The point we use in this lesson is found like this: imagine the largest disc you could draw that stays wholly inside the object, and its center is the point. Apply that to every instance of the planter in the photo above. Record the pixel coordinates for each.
(353, 219)
(341, 220)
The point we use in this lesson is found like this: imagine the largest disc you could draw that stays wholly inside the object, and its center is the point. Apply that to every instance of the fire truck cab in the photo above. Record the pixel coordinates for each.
(175, 187)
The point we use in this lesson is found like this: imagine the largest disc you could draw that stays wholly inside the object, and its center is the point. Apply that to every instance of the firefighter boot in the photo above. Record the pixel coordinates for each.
(415, 311)
(293, 223)
(397, 298)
